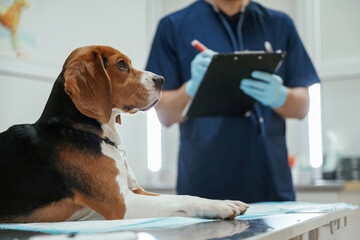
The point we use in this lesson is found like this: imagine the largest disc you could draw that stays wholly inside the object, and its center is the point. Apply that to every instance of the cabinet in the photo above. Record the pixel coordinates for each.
(348, 192)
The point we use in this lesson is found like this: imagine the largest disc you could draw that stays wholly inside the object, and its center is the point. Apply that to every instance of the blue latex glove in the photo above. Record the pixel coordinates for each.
(271, 92)
(198, 68)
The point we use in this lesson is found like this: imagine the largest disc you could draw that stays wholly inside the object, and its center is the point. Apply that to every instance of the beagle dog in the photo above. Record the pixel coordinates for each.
(68, 162)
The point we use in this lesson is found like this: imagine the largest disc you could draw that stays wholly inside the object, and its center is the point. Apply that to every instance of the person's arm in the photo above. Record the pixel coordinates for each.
(171, 105)
(296, 104)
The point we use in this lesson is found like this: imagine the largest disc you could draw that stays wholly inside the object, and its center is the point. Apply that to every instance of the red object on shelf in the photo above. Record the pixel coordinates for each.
(291, 159)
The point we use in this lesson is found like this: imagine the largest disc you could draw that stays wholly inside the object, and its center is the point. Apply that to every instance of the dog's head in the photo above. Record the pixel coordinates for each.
(100, 79)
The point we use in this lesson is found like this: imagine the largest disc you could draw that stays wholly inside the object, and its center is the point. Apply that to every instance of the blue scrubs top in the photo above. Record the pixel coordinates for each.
(233, 157)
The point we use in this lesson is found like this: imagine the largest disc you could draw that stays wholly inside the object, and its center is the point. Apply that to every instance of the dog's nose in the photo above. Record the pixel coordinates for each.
(159, 81)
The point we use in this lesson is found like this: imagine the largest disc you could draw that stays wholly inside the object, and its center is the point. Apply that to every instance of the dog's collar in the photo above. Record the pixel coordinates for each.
(93, 135)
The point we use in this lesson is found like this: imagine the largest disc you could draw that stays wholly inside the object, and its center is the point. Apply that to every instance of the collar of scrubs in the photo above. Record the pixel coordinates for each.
(236, 39)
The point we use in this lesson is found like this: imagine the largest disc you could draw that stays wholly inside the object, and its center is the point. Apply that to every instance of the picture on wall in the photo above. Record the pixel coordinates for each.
(17, 40)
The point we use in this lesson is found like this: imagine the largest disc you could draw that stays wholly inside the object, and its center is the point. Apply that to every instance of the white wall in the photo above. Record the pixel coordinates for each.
(21, 100)
(341, 113)
(339, 58)
(339, 39)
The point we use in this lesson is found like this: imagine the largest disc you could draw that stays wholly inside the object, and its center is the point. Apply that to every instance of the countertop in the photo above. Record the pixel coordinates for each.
(316, 185)
(328, 185)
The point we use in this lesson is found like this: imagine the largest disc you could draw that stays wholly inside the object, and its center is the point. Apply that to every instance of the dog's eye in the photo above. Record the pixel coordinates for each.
(123, 66)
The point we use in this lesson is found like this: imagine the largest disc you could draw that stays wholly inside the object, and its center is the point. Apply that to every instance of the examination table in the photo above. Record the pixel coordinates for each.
(274, 220)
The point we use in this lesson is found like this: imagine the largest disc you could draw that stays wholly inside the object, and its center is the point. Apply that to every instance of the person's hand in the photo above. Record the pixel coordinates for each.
(270, 91)
(198, 68)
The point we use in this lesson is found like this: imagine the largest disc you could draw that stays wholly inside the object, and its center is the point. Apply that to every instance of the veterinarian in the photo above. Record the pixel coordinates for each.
(225, 157)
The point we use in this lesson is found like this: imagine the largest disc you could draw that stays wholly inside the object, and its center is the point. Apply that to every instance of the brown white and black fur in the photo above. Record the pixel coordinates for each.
(68, 161)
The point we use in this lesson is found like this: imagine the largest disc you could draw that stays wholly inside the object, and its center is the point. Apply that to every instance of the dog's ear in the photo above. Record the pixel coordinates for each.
(88, 84)
(118, 119)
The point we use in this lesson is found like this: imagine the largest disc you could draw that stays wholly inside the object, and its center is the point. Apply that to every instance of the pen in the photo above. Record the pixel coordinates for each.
(198, 45)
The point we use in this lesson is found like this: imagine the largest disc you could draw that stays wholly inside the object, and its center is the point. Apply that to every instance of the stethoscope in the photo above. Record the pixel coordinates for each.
(238, 45)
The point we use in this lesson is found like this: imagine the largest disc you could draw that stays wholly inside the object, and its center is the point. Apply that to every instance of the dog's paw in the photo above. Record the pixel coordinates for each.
(225, 209)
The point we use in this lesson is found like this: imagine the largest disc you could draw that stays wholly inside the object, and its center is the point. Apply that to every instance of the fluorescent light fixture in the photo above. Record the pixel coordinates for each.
(314, 121)
(153, 141)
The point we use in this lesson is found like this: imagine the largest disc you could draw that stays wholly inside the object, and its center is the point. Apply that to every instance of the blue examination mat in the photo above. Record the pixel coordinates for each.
(256, 210)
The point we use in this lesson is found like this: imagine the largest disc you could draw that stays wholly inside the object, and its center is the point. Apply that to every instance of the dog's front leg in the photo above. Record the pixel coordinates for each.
(144, 206)
(141, 204)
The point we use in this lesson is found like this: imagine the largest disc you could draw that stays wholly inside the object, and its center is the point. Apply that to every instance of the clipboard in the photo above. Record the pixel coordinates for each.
(219, 93)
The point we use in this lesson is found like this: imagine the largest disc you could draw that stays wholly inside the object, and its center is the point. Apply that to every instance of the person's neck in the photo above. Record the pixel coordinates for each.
(231, 7)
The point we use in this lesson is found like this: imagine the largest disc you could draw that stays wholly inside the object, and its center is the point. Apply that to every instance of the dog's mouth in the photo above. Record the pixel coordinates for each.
(150, 106)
